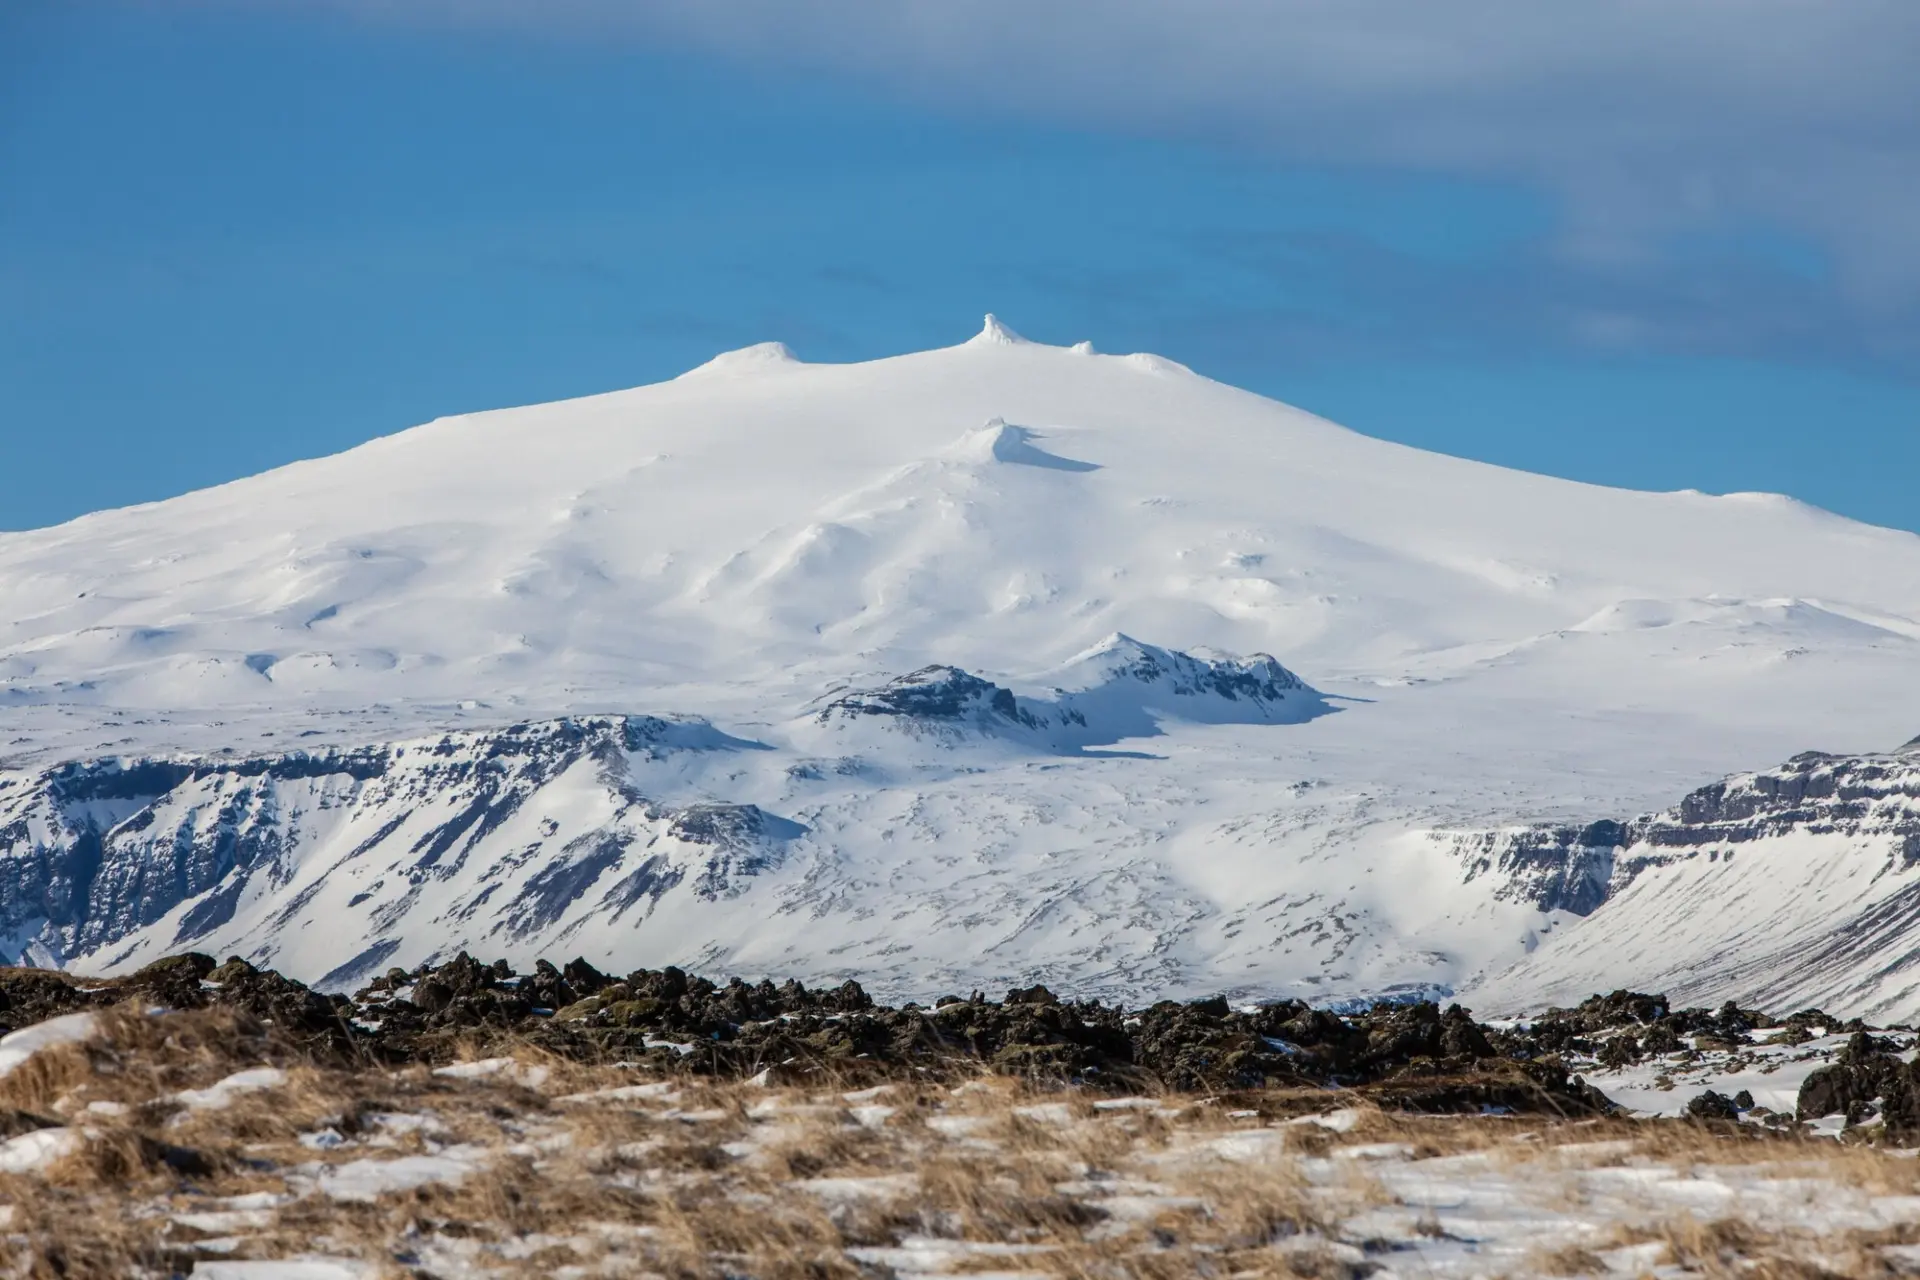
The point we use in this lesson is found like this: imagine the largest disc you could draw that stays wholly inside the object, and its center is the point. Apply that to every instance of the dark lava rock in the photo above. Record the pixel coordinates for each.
(1627, 1026)
(1560, 1030)
(1712, 1106)
(1417, 1056)
(182, 1160)
(28, 996)
(311, 1022)
(1864, 1077)
(1497, 1088)
(175, 981)
(1619, 1051)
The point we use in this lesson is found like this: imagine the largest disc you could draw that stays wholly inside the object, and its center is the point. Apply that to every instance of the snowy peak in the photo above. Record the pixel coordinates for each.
(1120, 660)
(1122, 688)
(993, 333)
(761, 516)
(996, 333)
(937, 701)
(1064, 549)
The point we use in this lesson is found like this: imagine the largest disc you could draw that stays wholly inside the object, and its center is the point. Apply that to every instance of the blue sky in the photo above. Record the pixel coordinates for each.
(236, 234)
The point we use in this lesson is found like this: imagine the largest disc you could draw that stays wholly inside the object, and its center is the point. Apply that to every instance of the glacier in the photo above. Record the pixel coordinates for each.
(1000, 662)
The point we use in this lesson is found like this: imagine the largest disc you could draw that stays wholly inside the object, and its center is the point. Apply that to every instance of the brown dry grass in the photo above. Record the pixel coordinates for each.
(711, 1179)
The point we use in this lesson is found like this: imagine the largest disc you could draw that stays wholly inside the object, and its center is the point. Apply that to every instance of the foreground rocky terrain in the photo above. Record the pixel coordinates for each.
(1405, 1056)
(464, 1120)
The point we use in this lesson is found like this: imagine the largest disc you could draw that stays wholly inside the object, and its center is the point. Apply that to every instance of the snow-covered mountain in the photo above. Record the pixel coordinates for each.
(963, 662)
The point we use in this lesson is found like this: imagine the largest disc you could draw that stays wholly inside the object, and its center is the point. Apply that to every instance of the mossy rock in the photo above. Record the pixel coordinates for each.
(191, 967)
(635, 1013)
(1037, 1059)
(831, 1043)
(232, 971)
(580, 1010)
(30, 995)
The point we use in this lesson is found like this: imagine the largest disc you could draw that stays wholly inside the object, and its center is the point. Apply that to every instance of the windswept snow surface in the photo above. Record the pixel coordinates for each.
(1114, 542)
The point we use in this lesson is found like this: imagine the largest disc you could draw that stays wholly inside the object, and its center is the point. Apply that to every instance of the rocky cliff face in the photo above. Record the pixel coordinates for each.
(1792, 886)
(1554, 868)
(1866, 798)
(1876, 796)
(507, 832)
(1120, 688)
(935, 701)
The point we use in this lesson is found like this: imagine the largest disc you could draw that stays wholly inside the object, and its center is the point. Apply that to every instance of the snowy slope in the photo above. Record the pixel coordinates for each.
(1791, 888)
(929, 859)
(763, 522)
(770, 544)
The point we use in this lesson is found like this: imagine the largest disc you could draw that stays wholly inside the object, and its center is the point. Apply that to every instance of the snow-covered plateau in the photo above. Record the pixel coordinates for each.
(993, 664)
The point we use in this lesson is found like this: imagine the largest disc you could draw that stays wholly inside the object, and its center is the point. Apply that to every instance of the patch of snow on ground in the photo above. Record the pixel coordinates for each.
(1663, 1085)
(928, 1255)
(33, 1152)
(520, 1073)
(369, 1179)
(18, 1046)
(221, 1094)
(286, 1269)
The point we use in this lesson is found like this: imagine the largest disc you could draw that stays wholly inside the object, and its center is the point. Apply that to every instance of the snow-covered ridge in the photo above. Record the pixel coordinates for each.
(935, 700)
(1117, 690)
(524, 832)
(1796, 885)
(762, 357)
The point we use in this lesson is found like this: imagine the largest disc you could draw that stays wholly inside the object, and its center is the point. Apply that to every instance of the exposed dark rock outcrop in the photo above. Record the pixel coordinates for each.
(1414, 1056)
(1118, 689)
(1578, 868)
(1867, 1079)
(933, 698)
(1712, 1106)
(312, 1022)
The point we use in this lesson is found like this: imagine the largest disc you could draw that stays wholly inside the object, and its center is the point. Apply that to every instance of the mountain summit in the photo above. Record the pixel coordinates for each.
(771, 522)
(1249, 656)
